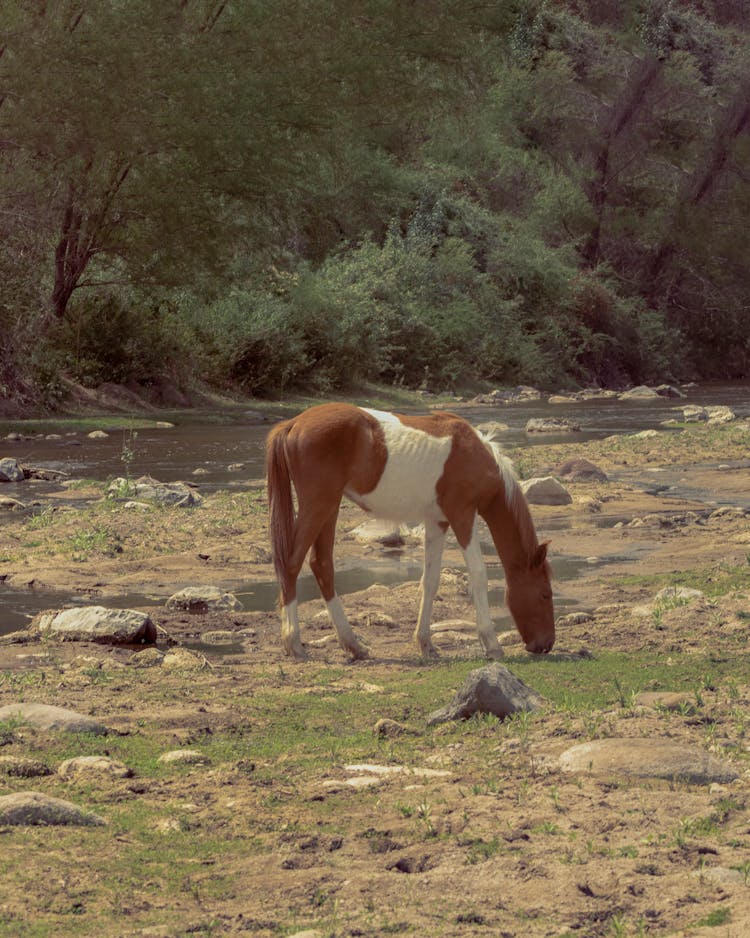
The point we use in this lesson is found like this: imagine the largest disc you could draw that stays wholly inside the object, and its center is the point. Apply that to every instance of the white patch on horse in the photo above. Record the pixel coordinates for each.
(406, 490)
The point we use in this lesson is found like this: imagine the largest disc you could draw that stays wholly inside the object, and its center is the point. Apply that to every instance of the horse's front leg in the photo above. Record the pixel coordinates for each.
(434, 539)
(478, 585)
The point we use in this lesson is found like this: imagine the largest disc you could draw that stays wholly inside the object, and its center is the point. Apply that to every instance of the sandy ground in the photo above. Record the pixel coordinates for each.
(504, 843)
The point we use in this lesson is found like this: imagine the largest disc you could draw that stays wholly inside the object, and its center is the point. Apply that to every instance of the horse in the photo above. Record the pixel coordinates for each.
(435, 469)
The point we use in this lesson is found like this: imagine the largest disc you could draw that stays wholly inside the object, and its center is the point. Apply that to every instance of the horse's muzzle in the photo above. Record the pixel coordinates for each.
(540, 646)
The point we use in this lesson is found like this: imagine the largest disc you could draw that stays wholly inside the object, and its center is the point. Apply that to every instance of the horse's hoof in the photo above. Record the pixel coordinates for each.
(358, 652)
(297, 652)
(429, 651)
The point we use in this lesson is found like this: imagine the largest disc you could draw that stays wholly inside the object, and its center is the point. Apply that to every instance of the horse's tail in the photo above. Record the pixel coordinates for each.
(280, 502)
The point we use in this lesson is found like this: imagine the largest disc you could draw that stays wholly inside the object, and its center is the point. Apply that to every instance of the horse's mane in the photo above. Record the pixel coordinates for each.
(514, 497)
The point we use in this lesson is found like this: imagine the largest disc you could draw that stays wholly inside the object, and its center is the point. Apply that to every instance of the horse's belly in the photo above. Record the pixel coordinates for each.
(400, 504)
(407, 488)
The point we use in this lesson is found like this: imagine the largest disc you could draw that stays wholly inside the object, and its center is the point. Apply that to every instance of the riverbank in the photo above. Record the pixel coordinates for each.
(302, 843)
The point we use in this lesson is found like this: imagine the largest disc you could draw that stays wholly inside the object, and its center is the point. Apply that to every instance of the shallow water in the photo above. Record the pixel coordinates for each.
(231, 453)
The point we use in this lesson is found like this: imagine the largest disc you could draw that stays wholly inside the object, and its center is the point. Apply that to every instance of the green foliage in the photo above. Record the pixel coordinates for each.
(503, 192)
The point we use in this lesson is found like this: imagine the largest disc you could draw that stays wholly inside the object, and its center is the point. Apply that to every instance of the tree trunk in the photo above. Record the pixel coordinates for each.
(622, 113)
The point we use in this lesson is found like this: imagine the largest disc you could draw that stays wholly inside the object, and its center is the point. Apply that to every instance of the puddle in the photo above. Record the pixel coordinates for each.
(18, 607)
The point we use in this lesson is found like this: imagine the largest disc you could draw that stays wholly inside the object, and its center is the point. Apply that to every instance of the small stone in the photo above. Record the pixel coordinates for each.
(202, 599)
(98, 435)
(183, 757)
(220, 637)
(148, 658)
(390, 728)
(180, 659)
(552, 425)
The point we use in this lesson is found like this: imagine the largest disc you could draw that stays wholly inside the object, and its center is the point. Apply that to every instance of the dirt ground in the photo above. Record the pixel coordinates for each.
(499, 841)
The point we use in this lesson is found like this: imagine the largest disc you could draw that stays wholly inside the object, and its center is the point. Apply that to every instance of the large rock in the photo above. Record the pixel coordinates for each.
(546, 491)
(10, 471)
(552, 425)
(647, 758)
(47, 717)
(173, 494)
(203, 599)
(97, 624)
(491, 689)
(33, 808)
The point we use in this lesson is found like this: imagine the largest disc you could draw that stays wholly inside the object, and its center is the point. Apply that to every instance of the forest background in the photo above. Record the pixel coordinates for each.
(265, 195)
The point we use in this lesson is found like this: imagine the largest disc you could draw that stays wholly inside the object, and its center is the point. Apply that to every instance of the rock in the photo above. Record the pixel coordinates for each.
(33, 808)
(96, 624)
(694, 414)
(580, 470)
(180, 659)
(552, 425)
(219, 637)
(646, 435)
(721, 876)
(379, 531)
(719, 415)
(173, 494)
(18, 767)
(574, 618)
(561, 399)
(93, 765)
(546, 491)
(640, 393)
(666, 700)
(390, 728)
(678, 594)
(491, 689)
(148, 658)
(491, 429)
(203, 599)
(183, 757)
(98, 435)
(669, 390)
(45, 475)
(11, 504)
(647, 758)
(10, 471)
(46, 717)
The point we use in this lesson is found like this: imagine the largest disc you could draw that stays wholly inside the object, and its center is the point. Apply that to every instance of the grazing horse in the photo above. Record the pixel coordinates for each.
(434, 469)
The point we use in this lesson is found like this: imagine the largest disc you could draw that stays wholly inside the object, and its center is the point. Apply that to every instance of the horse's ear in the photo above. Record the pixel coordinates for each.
(540, 555)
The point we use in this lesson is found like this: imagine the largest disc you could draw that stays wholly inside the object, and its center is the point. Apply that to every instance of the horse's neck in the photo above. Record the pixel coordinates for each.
(512, 530)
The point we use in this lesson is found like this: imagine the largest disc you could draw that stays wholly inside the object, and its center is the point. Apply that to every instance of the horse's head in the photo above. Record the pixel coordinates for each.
(528, 595)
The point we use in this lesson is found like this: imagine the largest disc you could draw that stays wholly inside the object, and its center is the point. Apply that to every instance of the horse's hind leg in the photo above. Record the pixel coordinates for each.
(434, 539)
(321, 564)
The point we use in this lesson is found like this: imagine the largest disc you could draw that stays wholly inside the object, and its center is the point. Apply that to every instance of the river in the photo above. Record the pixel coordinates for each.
(219, 450)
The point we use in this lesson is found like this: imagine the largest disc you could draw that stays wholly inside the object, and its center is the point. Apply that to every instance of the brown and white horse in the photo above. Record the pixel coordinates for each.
(433, 469)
